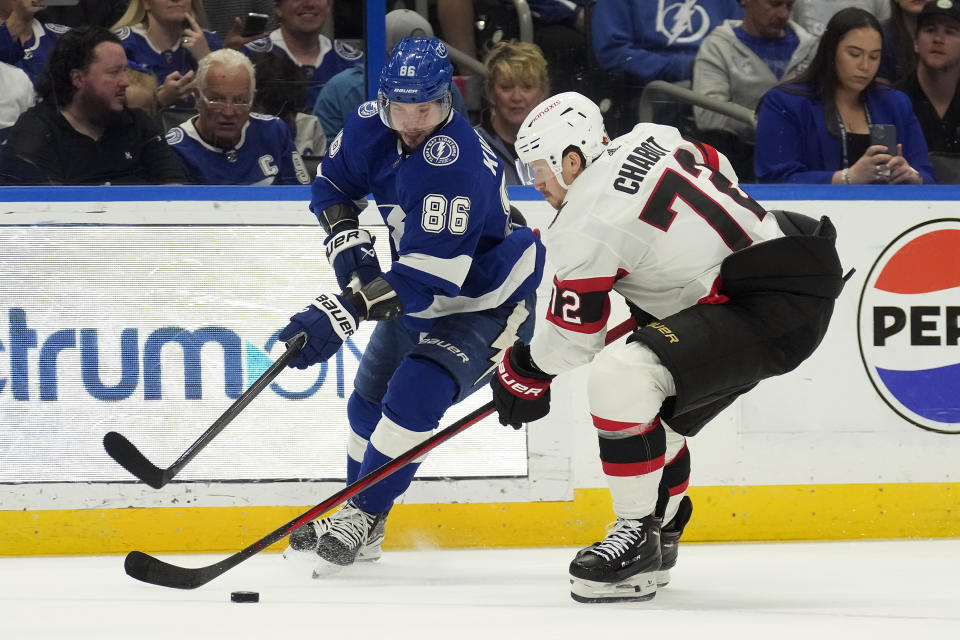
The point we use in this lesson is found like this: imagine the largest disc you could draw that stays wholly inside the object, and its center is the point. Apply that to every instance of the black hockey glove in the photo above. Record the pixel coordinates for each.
(521, 391)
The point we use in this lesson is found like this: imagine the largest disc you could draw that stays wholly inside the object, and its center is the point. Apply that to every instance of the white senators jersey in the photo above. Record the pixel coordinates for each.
(651, 219)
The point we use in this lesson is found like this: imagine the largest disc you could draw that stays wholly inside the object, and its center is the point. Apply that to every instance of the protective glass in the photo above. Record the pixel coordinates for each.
(410, 117)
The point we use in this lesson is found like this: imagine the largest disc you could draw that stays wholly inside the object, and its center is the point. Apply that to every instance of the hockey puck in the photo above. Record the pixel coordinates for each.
(244, 596)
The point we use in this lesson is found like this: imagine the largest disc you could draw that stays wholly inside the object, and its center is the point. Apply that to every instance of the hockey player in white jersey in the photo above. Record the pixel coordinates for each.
(461, 288)
(729, 294)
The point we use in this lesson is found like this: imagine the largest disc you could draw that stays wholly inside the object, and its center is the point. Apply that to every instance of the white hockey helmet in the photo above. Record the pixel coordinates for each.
(564, 120)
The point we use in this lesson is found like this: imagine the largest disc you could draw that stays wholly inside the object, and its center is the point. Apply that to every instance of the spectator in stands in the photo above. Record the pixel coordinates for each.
(347, 90)
(299, 37)
(516, 82)
(813, 15)
(899, 33)
(560, 33)
(154, 35)
(25, 42)
(82, 131)
(280, 94)
(87, 13)
(16, 97)
(816, 128)
(933, 87)
(227, 17)
(739, 62)
(226, 143)
(655, 39)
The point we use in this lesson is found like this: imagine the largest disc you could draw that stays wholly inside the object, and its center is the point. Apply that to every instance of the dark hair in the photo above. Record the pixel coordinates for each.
(73, 50)
(281, 86)
(819, 80)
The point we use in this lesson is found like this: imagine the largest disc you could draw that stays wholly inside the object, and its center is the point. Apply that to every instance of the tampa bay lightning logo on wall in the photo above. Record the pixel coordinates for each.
(441, 150)
(909, 325)
(368, 109)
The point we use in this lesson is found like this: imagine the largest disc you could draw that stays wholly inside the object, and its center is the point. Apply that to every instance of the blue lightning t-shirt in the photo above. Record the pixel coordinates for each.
(446, 206)
(334, 57)
(161, 63)
(264, 155)
(32, 55)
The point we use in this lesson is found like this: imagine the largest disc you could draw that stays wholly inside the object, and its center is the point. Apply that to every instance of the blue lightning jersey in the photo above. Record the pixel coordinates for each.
(446, 206)
(32, 55)
(264, 155)
(161, 63)
(334, 57)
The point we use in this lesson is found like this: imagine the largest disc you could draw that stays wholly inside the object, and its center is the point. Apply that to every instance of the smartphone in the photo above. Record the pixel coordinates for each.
(886, 136)
(62, 3)
(255, 24)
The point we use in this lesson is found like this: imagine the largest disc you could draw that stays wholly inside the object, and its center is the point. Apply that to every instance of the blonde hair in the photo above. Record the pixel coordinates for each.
(137, 14)
(229, 59)
(518, 63)
(146, 82)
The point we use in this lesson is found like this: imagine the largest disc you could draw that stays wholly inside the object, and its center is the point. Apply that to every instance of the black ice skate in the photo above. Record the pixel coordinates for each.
(670, 539)
(304, 541)
(351, 534)
(623, 567)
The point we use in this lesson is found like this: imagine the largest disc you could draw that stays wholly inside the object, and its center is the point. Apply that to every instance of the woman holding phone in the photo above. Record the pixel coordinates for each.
(167, 37)
(823, 126)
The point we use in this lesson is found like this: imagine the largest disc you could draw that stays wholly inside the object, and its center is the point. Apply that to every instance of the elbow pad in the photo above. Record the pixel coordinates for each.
(339, 217)
(376, 301)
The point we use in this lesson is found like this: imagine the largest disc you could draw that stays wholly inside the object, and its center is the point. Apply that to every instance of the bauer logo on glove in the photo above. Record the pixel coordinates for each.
(327, 322)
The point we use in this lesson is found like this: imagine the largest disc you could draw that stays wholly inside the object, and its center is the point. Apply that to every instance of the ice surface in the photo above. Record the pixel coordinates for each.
(849, 590)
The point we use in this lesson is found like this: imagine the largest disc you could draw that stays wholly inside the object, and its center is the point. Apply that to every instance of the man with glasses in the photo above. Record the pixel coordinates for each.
(226, 143)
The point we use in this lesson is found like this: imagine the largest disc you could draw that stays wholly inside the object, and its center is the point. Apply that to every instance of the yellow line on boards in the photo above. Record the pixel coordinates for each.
(720, 514)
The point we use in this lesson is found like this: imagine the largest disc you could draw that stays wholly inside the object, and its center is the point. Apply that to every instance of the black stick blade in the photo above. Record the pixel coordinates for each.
(130, 458)
(146, 568)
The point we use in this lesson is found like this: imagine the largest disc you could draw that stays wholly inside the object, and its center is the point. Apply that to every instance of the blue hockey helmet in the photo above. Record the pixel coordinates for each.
(418, 71)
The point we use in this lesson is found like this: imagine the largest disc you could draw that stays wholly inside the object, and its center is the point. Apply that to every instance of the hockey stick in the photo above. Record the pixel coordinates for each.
(147, 568)
(130, 458)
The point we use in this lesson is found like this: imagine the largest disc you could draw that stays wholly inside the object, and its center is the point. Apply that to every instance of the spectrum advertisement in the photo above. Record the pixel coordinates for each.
(153, 331)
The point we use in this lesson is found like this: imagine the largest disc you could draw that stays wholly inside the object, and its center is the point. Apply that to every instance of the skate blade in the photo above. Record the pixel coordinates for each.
(638, 588)
(323, 569)
(663, 578)
(291, 555)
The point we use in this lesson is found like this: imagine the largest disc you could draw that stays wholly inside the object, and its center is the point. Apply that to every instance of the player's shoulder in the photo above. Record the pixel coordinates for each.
(456, 146)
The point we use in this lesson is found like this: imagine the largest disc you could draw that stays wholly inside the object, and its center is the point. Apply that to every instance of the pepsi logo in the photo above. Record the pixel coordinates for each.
(909, 325)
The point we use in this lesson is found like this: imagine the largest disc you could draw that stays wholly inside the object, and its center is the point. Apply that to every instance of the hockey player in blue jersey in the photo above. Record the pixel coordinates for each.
(226, 143)
(461, 288)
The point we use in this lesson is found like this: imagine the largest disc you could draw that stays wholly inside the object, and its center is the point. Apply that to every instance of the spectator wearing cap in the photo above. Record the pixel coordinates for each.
(154, 36)
(516, 82)
(299, 37)
(933, 87)
(227, 144)
(26, 42)
(740, 61)
(348, 90)
(16, 97)
(82, 131)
